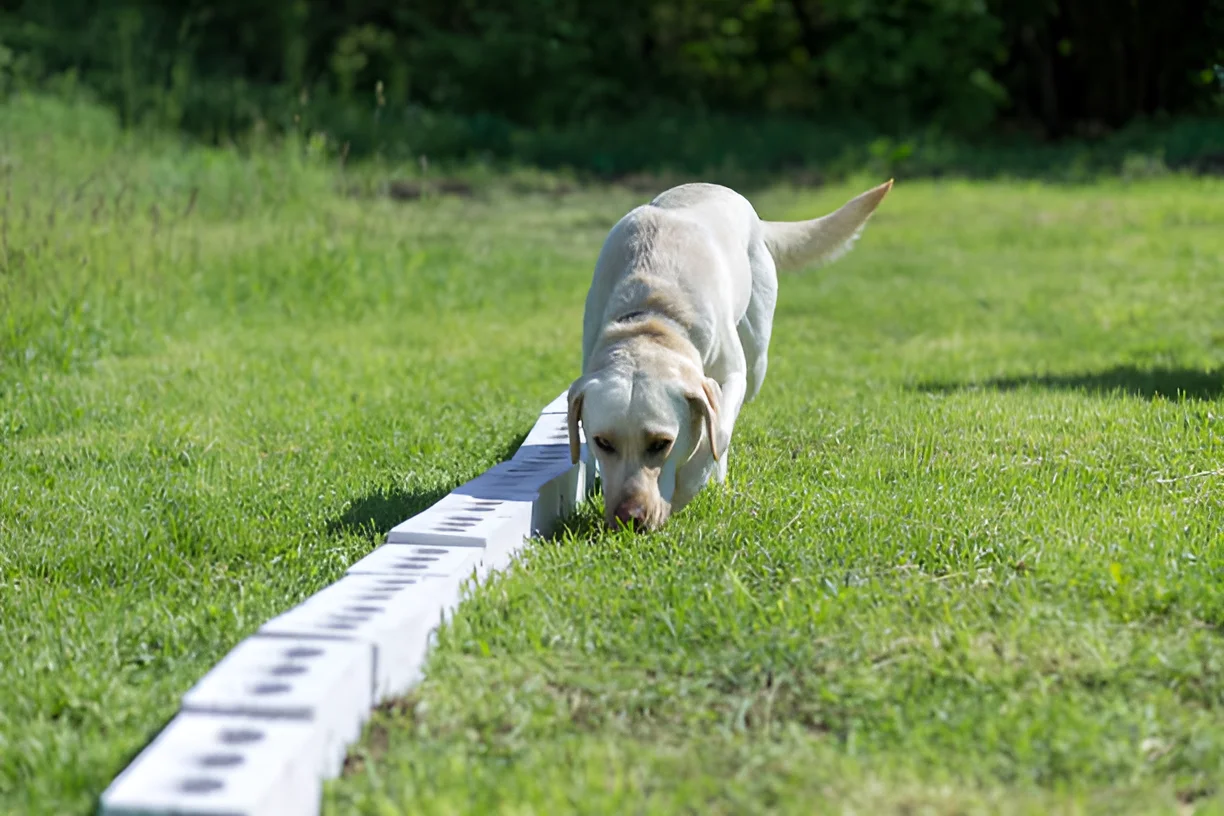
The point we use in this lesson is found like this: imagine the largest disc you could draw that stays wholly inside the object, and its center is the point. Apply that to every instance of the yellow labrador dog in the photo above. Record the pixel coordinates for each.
(676, 338)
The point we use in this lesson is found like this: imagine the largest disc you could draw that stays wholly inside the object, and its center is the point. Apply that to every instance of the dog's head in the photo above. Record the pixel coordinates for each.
(641, 424)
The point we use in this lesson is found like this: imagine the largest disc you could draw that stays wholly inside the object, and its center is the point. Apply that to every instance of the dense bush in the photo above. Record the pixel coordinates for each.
(471, 76)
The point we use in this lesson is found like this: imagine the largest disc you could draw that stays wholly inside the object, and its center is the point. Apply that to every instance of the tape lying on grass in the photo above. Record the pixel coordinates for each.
(261, 731)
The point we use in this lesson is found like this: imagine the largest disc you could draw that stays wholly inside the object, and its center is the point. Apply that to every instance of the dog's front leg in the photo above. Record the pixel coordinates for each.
(691, 477)
(733, 391)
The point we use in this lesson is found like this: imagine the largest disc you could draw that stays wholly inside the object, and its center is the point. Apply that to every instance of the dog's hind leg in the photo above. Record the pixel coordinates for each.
(756, 326)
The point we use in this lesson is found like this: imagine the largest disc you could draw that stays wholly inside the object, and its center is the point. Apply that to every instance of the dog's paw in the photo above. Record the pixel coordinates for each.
(720, 472)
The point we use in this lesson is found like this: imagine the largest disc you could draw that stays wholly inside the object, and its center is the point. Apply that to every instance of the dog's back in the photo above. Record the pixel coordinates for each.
(667, 257)
(692, 253)
(790, 243)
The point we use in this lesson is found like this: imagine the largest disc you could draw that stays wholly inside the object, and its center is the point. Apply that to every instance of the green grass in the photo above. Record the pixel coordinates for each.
(969, 558)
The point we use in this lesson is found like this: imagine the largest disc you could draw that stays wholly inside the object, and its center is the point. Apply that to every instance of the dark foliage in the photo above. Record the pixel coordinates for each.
(471, 74)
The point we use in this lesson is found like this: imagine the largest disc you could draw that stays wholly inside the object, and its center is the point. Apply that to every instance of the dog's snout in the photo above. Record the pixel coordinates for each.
(631, 513)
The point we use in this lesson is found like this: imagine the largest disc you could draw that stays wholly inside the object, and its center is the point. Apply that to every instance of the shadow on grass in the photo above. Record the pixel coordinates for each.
(373, 514)
(1167, 383)
(586, 523)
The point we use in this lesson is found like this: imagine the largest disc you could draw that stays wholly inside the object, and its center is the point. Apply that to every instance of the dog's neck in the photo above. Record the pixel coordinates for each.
(652, 327)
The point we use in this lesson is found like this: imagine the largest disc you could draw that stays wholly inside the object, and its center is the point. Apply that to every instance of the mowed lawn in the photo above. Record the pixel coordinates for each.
(969, 557)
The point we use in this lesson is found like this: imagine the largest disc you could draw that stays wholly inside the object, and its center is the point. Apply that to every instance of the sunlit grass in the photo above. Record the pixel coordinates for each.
(969, 555)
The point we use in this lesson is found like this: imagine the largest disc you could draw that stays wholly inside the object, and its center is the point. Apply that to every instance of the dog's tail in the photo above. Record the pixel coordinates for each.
(794, 244)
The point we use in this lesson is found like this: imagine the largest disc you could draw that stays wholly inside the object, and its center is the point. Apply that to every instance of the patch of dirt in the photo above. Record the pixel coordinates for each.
(804, 177)
(402, 190)
(643, 183)
(555, 190)
(654, 183)
(373, 746)
(410, 190)
(1211, 164)
(1187, 798)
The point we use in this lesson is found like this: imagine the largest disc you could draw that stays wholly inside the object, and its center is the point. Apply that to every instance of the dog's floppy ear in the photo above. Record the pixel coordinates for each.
(708, 399)
(576, 392)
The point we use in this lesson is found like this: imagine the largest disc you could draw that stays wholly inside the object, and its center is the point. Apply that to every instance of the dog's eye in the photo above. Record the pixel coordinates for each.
(658, 446)
(604, 445)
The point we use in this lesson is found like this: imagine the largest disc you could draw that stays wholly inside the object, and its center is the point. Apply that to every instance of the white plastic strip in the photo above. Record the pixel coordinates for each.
(261, 730)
